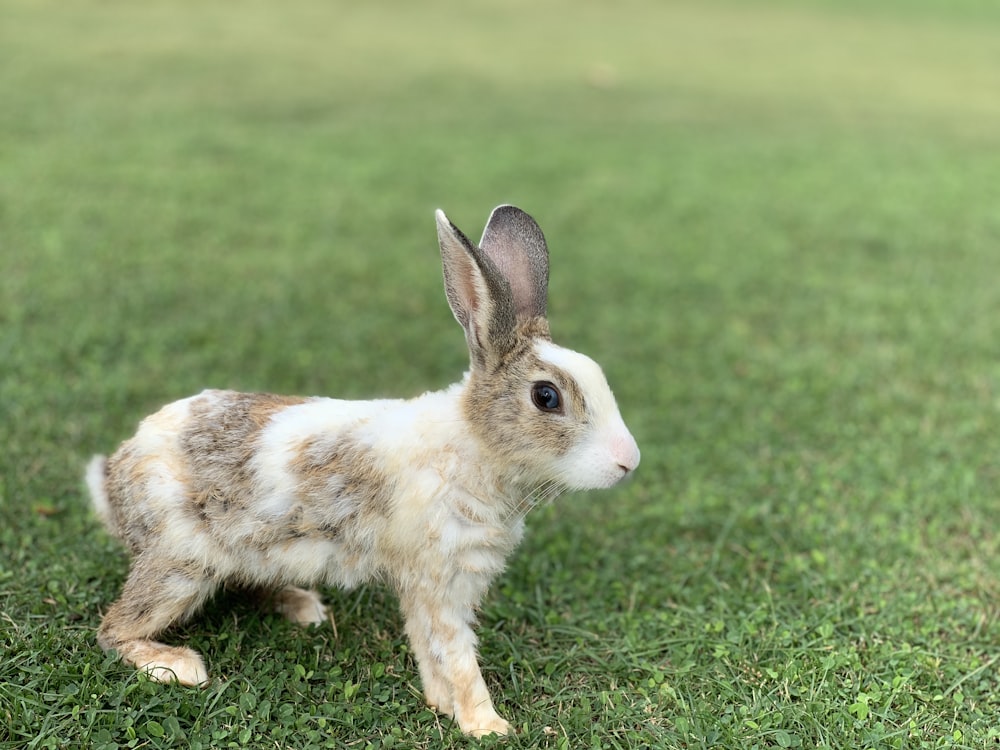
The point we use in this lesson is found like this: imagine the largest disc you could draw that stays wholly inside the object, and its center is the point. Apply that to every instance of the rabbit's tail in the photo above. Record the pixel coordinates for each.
(97, 483)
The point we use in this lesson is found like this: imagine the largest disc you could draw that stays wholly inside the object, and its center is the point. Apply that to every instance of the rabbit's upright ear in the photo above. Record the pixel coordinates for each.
(479, 295)
(516, 245)
(499, 288)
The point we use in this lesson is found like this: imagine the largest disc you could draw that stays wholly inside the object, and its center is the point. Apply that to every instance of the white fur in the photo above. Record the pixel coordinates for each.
(609, 452)
(94, 478)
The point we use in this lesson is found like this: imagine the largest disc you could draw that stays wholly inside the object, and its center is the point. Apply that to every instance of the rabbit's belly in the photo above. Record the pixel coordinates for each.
(301, 561)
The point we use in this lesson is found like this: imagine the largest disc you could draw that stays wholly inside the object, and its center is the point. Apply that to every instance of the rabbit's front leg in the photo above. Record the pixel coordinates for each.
(444, 645)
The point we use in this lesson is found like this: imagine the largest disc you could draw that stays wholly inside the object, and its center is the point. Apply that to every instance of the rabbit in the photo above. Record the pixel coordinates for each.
(279, 494)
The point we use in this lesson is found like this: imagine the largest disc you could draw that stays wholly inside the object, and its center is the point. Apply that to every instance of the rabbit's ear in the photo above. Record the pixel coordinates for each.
(516, 245)
(479, 295)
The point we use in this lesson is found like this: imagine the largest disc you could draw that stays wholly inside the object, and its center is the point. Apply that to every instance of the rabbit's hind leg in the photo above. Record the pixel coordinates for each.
(156, 596)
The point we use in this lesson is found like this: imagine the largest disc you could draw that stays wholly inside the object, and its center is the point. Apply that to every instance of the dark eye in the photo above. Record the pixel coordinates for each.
(546, 396)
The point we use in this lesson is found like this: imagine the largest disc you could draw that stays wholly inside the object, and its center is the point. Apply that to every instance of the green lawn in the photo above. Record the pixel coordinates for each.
(777, 226)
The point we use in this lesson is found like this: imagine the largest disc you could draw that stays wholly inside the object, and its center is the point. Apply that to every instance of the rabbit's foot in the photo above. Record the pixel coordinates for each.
(301, 606)
(165, 663)
(474, 710)
(487, 725)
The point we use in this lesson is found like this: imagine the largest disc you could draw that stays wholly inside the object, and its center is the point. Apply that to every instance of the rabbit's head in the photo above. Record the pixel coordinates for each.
(545, 413)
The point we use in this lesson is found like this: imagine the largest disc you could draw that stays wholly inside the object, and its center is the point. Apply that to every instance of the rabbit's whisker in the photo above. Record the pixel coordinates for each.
(544, 493)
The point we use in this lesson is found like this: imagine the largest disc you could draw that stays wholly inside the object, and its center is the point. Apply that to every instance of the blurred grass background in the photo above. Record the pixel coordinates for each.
(775, 224)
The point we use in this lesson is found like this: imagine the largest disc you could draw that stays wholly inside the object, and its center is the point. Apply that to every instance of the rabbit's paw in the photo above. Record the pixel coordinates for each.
(300, 606)
(172, 664)
(488, 725)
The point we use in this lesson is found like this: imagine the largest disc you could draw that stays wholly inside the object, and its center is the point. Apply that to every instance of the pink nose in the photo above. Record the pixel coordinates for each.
(626, 453)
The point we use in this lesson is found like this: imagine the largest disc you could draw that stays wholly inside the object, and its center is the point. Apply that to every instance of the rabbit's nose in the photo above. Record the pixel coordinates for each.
(626, 453)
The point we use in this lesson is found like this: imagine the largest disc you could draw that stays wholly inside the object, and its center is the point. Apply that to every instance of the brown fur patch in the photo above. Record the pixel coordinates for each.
(340, 484)
(131, 518)
(218, 444)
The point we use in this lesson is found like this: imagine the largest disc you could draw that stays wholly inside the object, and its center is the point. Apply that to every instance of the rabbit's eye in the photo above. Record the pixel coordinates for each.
(546, 396)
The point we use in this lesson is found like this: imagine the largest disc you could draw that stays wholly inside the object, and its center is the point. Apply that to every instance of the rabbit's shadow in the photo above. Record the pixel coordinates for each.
(238, 630)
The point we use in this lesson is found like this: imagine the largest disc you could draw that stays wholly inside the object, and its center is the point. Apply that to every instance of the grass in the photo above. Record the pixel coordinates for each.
(774, 224)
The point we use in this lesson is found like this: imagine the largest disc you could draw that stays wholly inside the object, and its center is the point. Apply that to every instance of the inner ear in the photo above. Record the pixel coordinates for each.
(516, 246)
(460, 286)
